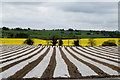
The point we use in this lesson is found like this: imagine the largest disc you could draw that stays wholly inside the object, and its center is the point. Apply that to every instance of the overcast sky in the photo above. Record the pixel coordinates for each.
(61, 15)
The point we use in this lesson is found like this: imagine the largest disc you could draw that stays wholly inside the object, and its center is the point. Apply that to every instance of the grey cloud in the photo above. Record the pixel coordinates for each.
(87, 7)
(50, 15)
(21, 3)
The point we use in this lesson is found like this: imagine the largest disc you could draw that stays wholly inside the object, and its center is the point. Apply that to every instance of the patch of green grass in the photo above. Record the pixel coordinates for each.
(47, 34)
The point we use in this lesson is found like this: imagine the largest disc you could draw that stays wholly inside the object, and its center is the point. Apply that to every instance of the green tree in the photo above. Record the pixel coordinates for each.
(70, 29)
(29, 29)
(29, 42)
(118, 42)
(91, 42)
(54, 40)
(109, 43)
(19, 29)
(76, 43)
(60, 42)
(5, 28)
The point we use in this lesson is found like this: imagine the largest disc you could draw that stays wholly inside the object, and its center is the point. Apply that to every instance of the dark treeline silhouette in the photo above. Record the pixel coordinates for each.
(91, 42)
(60, 42)
(70, 32)
(54, 40)
(109, 43)
(5, 28)
(76, 43)
(70, 29)
(18, 28)
(29, 41)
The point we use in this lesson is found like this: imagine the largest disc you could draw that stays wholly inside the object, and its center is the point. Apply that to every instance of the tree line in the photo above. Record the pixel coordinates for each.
(109, 34)
(91, 42)
(18, 28)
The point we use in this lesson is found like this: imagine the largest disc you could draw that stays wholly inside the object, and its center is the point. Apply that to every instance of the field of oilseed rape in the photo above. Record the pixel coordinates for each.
(20, 41)
(66, 42)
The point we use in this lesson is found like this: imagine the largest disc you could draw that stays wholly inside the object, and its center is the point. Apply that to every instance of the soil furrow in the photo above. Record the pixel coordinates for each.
(114, 54)
(21, 73)
(104, 63)
(19, 56)
(17, 53)
(73, 70)
(10, 47)
(14, 51)
(99, 53)
(115, 51)
(111, 77)
(102, 50)
(108, 48)
(14, 63)
(99, 56)
(49, 71)
(93, 67)
(5, 51)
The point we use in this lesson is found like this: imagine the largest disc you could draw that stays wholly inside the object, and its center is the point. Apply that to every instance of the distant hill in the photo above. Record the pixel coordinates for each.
(60, 33)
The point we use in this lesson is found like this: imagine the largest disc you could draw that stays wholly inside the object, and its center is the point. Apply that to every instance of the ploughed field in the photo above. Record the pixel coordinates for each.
(23, 61)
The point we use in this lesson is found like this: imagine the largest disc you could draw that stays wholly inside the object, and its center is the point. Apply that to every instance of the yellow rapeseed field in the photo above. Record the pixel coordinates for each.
(66, 42)
(20, 41)
(84, 42)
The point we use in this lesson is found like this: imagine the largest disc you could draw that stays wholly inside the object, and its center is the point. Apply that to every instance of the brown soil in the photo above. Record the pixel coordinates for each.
(48, 73)
(8, 50)
(15, 52)
(5, 48)
(114, 54)
(19, 56)
(103, 50)
(21, 73)
(14, 63)
(93, 67)
(73, 71)
(104, 63)
(109, 48)
(112, 77)
(100, 54)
